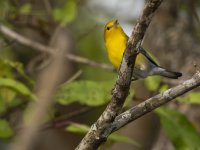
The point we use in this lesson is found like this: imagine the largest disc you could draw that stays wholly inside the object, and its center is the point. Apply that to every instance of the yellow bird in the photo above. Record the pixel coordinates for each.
(115, 42)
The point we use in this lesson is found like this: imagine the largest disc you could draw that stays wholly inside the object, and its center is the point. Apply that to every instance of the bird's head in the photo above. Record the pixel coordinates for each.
(112, 28)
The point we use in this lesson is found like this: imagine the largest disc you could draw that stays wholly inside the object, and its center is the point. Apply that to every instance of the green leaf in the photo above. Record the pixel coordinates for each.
(5, 70)
(18, 67)
(25, 9)
(7, 94)
(85, 92)
(2, 106)
(121, 138)
(152, 83)
(77, 128)
(15, 103)
(66, 14)
(191, 98)
(163, 88)
(83, 129)
(16, 85)
(179, 129)
(5, 129)
(5, 8)
(57, 14)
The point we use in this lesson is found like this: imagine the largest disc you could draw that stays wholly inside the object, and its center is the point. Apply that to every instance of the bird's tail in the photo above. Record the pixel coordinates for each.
(166, 73)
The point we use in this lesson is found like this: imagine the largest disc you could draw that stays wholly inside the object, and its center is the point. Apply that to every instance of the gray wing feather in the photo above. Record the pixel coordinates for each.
(141, 50)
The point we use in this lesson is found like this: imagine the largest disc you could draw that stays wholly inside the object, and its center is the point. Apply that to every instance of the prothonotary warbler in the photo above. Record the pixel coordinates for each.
(115, 42)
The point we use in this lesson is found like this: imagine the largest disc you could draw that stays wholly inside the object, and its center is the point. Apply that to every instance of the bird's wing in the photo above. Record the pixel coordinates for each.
(141, 50)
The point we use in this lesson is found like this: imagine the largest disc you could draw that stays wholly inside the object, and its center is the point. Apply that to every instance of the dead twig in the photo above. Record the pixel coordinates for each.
(42, 48)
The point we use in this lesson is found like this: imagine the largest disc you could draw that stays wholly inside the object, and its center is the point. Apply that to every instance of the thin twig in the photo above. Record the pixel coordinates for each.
(74, 77)
(48, 7)
(62, 122)
(82, 36)
(99, 131)
(89, 62)
(24, 40)
(42, 48)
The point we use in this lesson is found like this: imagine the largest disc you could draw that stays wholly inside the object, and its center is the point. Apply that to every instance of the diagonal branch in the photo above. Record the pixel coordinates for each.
(100, 130)
(154, 102)
(42, 48)
(142, 108)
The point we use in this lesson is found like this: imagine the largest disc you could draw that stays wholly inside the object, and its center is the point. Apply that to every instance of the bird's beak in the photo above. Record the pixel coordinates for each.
(115, 23)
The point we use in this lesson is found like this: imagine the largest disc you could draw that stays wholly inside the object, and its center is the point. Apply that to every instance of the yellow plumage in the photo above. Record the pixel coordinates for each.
(115, 42)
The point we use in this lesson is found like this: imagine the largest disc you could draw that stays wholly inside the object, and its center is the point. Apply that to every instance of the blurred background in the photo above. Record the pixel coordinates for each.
(60, 95)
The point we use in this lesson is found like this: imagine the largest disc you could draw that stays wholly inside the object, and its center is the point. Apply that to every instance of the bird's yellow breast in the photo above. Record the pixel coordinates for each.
(115, 42)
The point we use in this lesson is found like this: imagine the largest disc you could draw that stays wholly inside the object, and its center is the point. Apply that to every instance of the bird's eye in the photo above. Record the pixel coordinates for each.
(108, 28)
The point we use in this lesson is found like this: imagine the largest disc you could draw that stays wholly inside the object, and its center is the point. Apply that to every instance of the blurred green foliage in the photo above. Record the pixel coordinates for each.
(66, 14)
(190, 98)
(7, 9)
(5, 129)
(164, 88)
(16, 86)
(13, 92)
(94, 87)
(86, 92)
(179, 129)
(152, 83)
(25, 9)
(19, 67)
